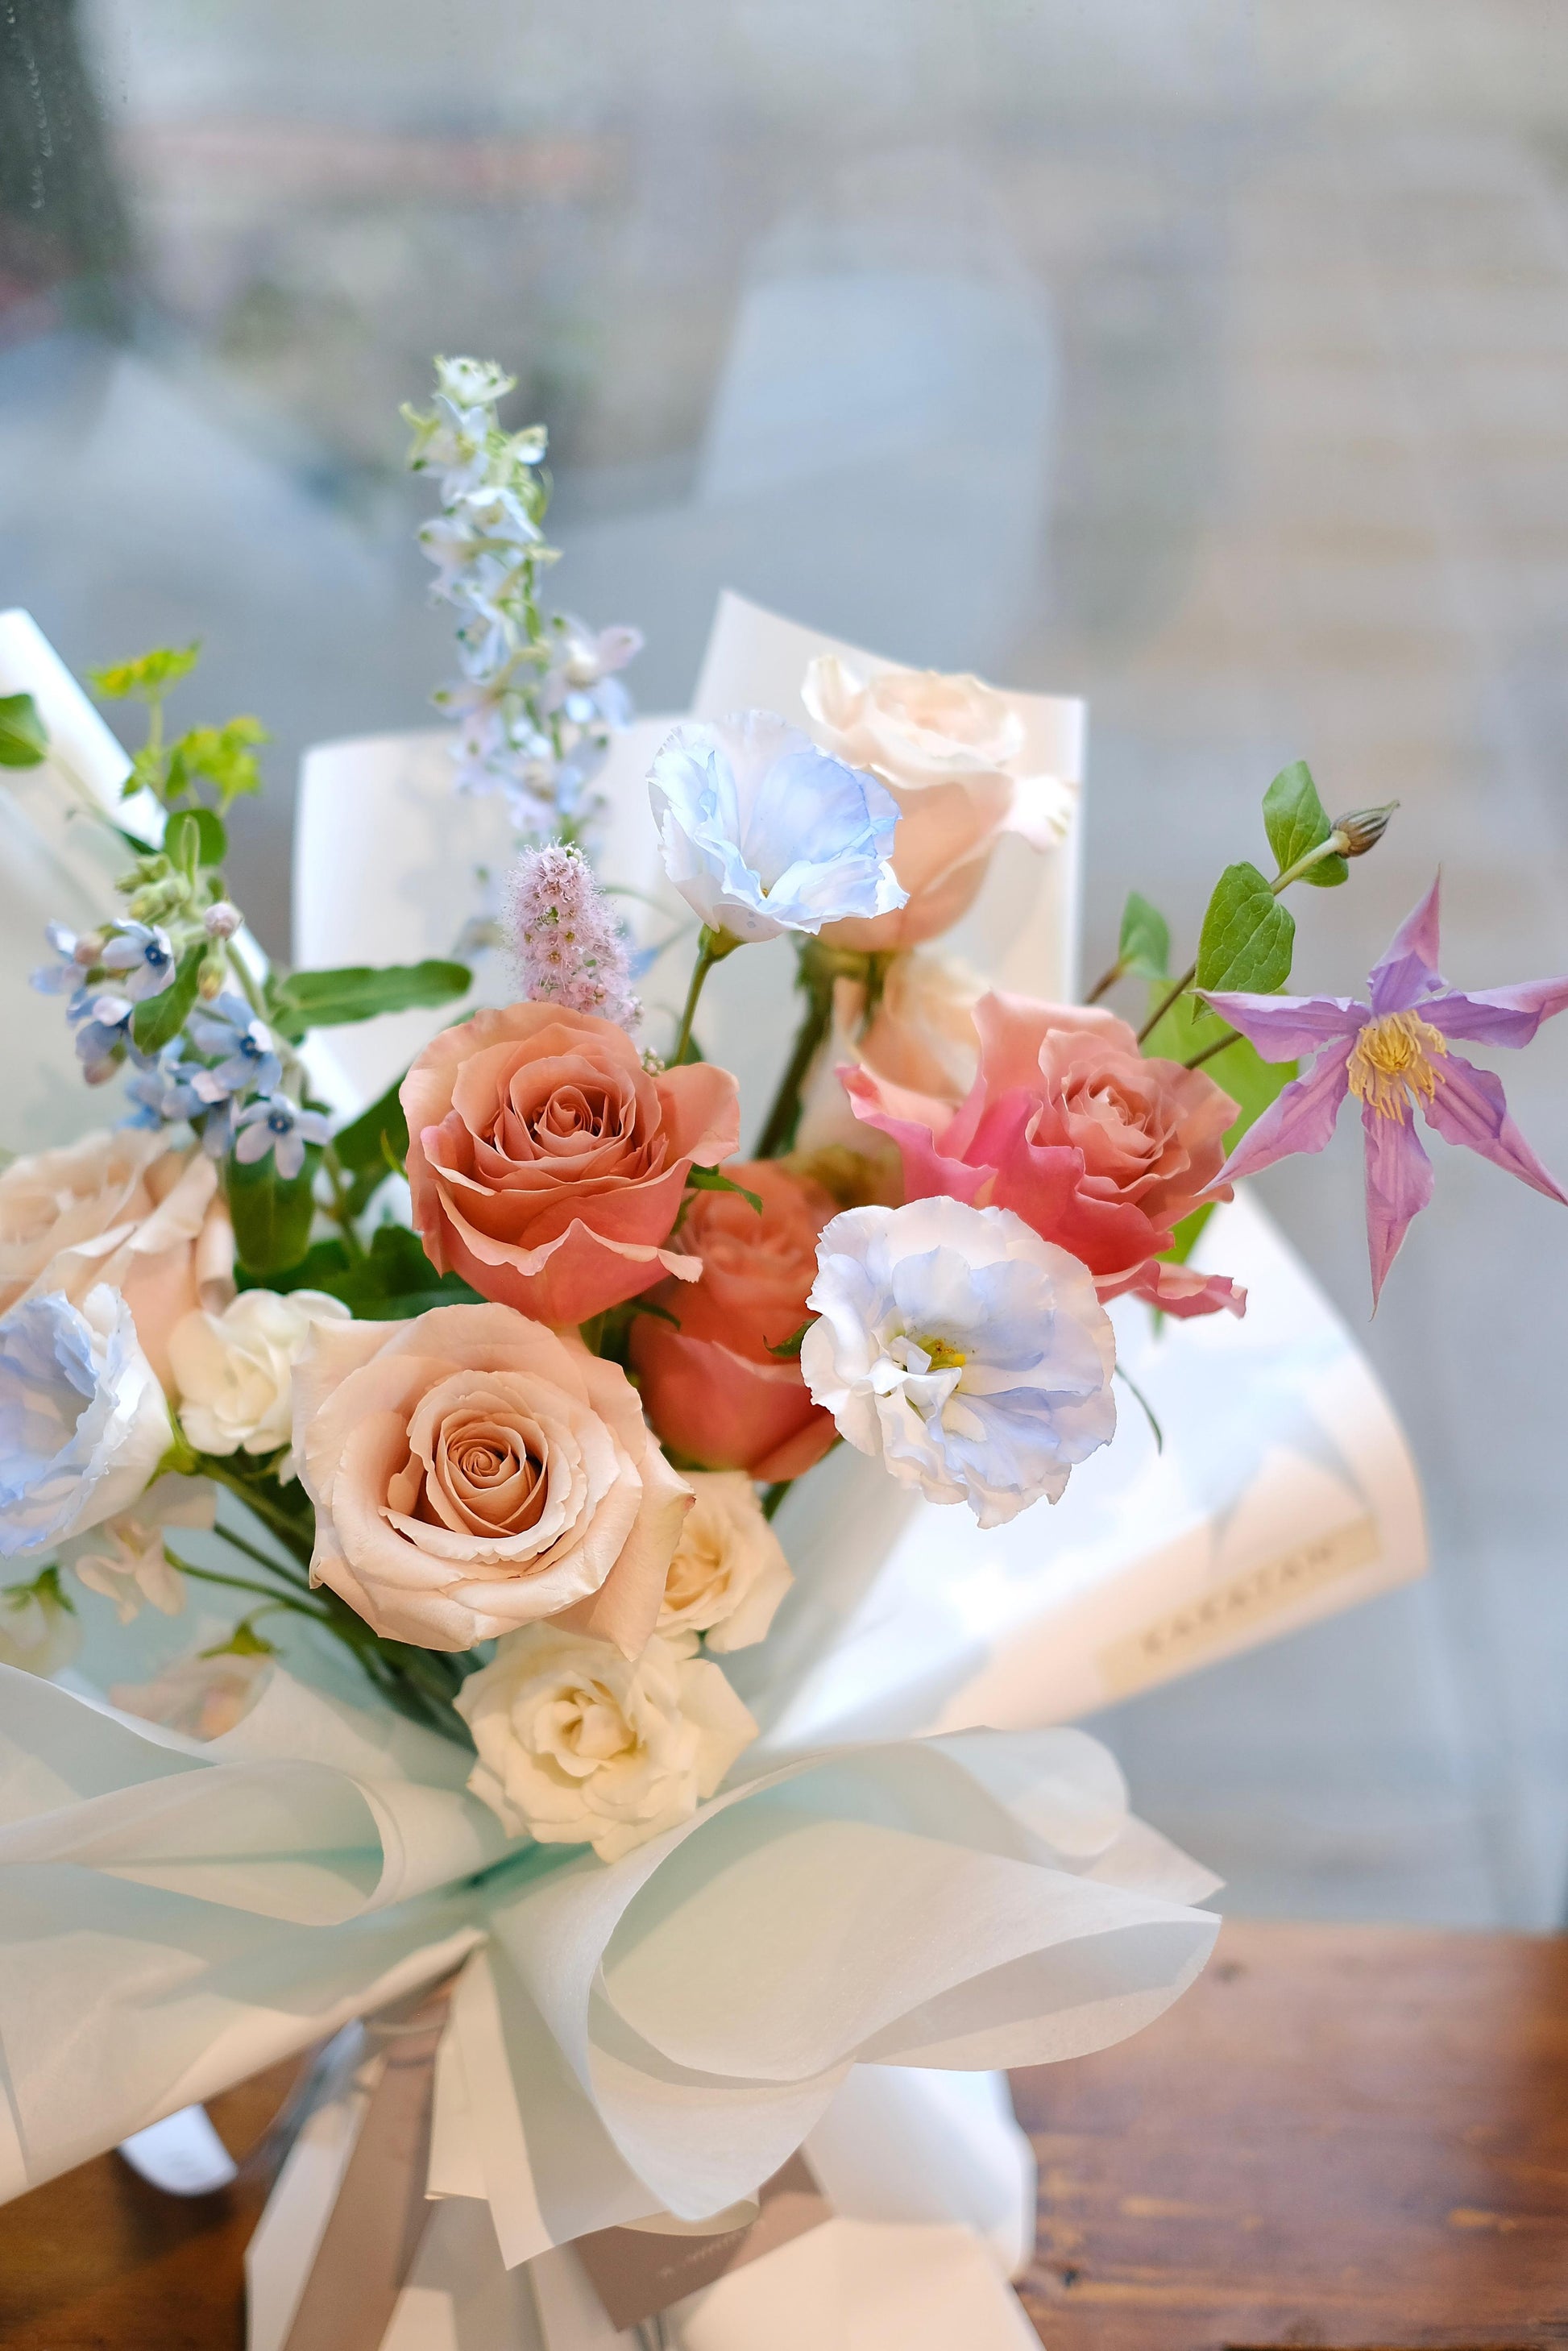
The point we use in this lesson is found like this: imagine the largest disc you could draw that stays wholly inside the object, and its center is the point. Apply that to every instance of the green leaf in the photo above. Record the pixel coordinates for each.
(363, 1142)
(1248, 936)
(395, 1280)
(272, 1215)
(1251, 1082)
(710, 1179)
(788, 1349)
(322, 1264)
(22, 739)
(182, 843)
(1296, 823)
(330, 999)
(222, 757)
(159, 1020)
(1144, 946)
(212, 835)
(148, 678)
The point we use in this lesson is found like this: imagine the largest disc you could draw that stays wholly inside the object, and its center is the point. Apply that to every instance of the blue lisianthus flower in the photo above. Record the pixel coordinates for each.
(280, 1127)
(972, 1355)
(762, 832)
(141, 956)
(246, 1060)
(83, 1423)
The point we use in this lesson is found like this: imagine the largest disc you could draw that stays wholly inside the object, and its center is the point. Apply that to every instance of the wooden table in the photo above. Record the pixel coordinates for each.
(1345, 2136)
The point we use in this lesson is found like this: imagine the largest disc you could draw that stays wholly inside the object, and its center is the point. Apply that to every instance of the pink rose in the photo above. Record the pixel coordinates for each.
(546, 1165)
(953, 752)
(711, 1389)
(473, 1471)
(1101, 1151)
(125, 1208)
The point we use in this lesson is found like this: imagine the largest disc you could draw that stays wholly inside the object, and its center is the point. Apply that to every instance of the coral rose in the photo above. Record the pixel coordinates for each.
(472, 1472)
(711, 1389)
(546, 1165)
(126, 1209)
(953, 754)
(1100, 1150)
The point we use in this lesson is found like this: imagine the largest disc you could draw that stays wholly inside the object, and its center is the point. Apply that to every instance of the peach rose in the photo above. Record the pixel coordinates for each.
(546, 1165)
(121, 1207)
(1100, 1150)
(921, 1037)
(953, 754)
(711, 1388)
(473, 1471)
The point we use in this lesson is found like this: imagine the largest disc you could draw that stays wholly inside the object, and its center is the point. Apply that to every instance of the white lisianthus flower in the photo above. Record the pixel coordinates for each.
(973, 1357)
(580, 1745)
(83, 1424)
(762, 832)
(39, 1627)
(235, 1371)
(730, 1571)
(125, 1560)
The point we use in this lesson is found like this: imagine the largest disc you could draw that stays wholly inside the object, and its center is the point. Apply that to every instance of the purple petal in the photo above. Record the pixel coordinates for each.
(1410, 969)
(1399, 1185)
(1497, 1016)
(1468, 1108)
(1301, 1119)
(1284, 1028)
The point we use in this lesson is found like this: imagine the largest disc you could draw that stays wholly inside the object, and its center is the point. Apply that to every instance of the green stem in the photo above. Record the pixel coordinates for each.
(784, 1117)
(242, 1584)
(1231, 1037)
(339, 1210)
(287, 1530)
(775, 1494)
(247, 985)
(1148, 1408)
(1164, 1006)
(1106, 981)
(711, 948)
(292, 1567)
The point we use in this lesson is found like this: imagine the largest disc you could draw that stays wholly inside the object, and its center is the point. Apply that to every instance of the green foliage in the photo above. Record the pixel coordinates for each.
(372, 1146)
(1296, 824)
(788, 1349)
(159, 1020)
(24, 741)
(148, 678)
(1252, 1083)
(395, 1281)
(303, 1000)
(712, 1179)
(272, 1215)
(222, 758)
(1248, 936)
(1143, 948)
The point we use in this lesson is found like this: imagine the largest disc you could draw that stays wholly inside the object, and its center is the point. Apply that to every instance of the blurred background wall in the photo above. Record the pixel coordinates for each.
(1207, 359)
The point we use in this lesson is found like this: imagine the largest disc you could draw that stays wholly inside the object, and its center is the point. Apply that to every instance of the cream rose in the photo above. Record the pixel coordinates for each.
(954, 753)
(579, 1745)
(730, 1571)
(474, 1471)
(233, 1372)
(126, 1209)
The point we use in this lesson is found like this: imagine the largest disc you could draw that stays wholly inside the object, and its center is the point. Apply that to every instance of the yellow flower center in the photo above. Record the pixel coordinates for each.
(1393, 1060)
(944, 1356)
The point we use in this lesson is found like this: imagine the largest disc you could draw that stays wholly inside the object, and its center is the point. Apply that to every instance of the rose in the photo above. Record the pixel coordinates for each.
(968, 1354)
(712, 1388)
(233, 1372)
(122, 1208)
(1097, 1148)
(953, 754)
(546, 1165)
(473, 1471)
(83, 1424)
(579, 1745)
(921, 1038)
(730, 1571)
(762, 832)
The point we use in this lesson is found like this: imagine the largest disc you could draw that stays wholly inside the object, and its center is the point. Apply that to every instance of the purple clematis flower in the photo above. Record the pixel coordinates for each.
(1391, 1054)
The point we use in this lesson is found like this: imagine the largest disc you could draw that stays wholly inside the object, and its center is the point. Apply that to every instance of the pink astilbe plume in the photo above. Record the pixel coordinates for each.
(568, 948)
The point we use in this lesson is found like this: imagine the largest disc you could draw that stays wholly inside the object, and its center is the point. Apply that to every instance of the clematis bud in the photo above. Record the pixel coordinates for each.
(222, 919)
(1354, 835)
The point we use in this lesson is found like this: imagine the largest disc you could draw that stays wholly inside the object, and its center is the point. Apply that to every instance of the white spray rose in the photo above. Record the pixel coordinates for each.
(83, 1424)
(730, 1571)
(580, 1745)
(235, 1371)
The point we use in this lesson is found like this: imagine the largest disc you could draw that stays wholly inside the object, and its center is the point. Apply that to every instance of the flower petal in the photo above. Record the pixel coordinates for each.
(1399, 1185)
(1408, 971)
(1178, 1290)
(1497, 1016)
(1469, 1107)
(1284, 1027)
(1300, 1120)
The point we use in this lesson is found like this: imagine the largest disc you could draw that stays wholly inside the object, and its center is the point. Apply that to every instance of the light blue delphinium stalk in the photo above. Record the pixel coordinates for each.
(539, 697)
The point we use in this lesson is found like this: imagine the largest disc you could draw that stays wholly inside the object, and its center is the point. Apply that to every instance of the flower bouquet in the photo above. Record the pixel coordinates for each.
(551, 1726)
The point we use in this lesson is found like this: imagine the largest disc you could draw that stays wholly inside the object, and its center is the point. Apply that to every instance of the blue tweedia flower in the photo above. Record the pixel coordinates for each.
(77, 957)
(170, 1091)
(142, 957)
(245, 1059)
(763, 832)
(280, 1127)
(972, 1355)
(103, 1038)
